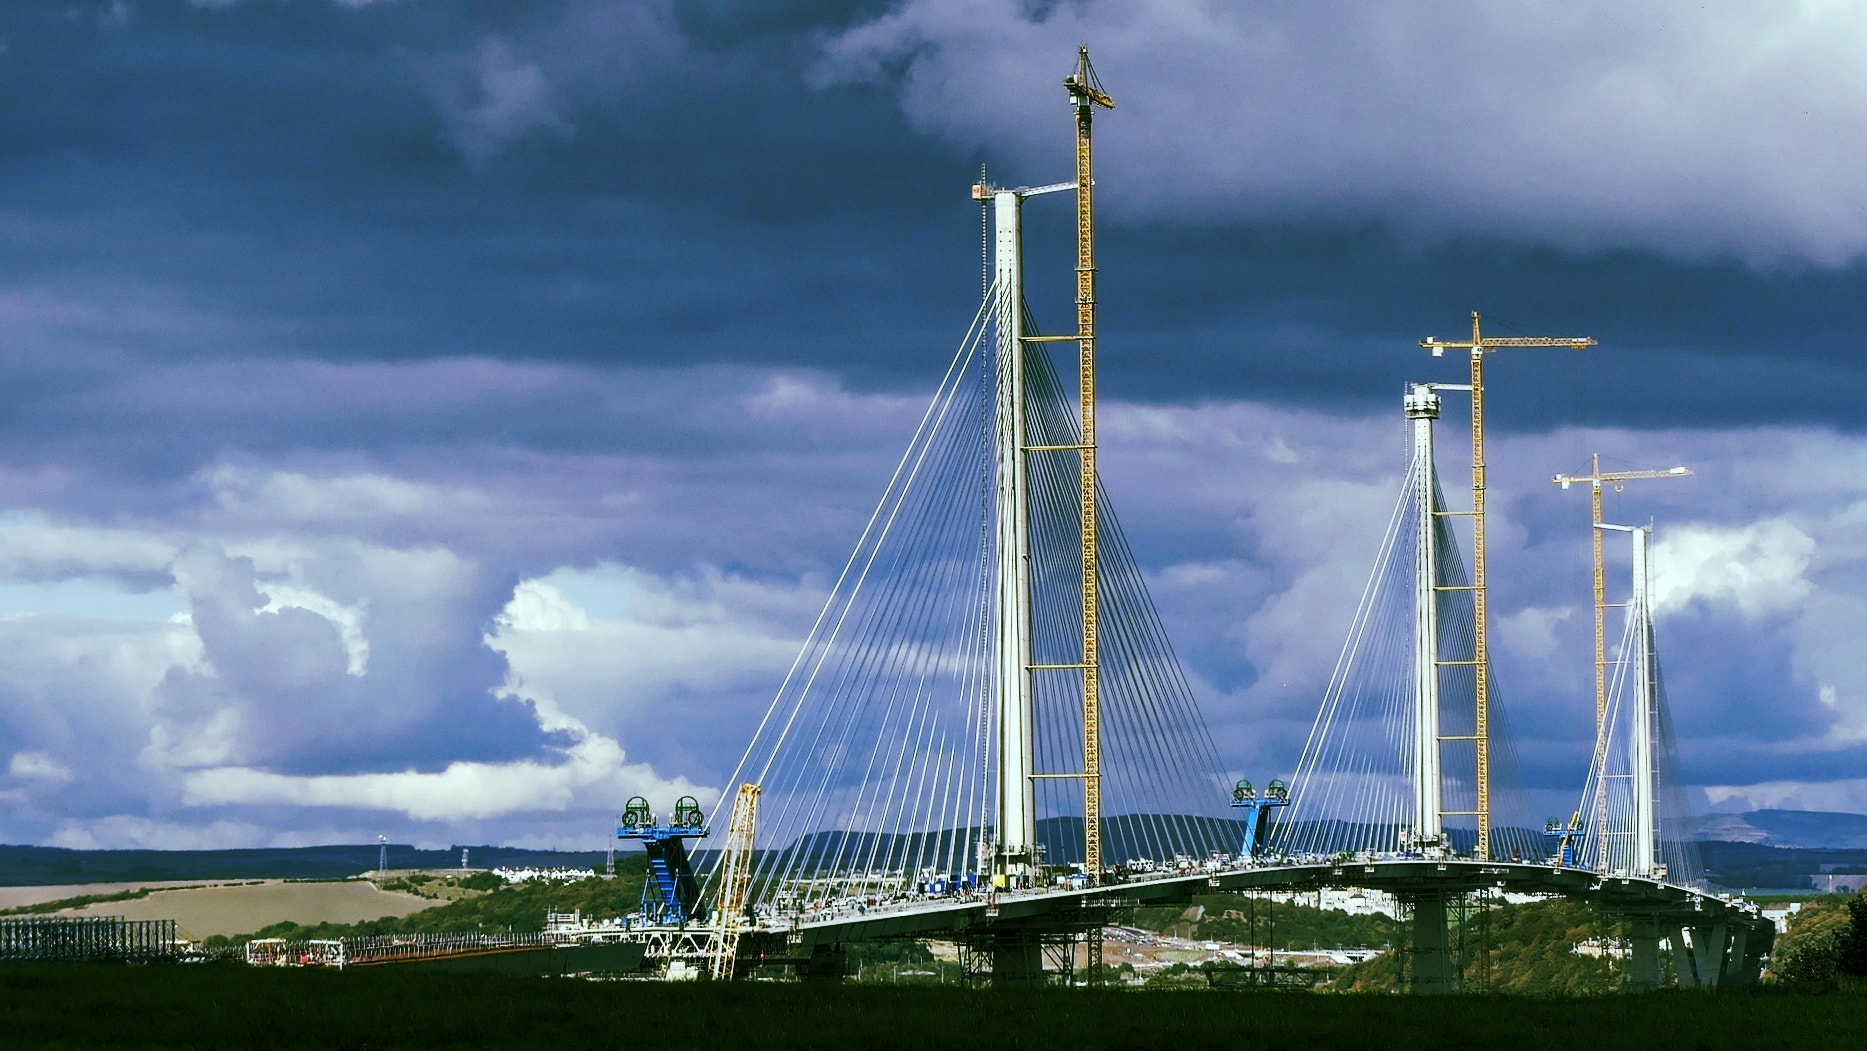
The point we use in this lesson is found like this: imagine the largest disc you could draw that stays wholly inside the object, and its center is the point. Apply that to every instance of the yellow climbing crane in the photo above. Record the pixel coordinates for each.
(1085, 95)
(1480, 345)
(735, 880)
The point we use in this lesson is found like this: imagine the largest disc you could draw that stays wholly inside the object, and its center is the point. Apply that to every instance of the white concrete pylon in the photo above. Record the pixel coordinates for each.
(1017, 808)
(1645, 709)
(1422, 407)
(1645, 685)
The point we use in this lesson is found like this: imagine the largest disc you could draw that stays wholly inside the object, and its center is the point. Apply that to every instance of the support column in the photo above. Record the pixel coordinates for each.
(1017, 808)
(1432, 958)
(1017, 958)
(1716, 955)
(1422, 407)
(1643, 957)
(1683, 964)
(826, 964)
(1747, 949)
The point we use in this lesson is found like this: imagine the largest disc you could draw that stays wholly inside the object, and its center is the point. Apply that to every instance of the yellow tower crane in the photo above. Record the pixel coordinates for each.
(1480, 345)
(1085, 95)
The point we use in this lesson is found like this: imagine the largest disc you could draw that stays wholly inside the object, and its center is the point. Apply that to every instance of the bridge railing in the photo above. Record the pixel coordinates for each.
(388, 948)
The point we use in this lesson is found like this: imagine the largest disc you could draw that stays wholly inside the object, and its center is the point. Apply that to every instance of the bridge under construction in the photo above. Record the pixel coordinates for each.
(988, 739)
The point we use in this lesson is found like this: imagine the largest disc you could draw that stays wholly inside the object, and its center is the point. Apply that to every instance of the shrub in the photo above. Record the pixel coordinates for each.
(1809, 966)
(483, 881)
(1850, 943)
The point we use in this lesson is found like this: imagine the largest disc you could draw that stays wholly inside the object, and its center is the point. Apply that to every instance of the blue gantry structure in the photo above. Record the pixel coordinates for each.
(671, 895)
(1257, 810)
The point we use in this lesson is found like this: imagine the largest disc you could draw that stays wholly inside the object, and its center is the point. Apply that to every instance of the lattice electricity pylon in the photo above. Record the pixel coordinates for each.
(1634, 819)
(1390, 766)
(885, 759)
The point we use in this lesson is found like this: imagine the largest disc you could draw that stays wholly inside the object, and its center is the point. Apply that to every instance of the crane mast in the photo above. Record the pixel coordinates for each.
(1085, 95)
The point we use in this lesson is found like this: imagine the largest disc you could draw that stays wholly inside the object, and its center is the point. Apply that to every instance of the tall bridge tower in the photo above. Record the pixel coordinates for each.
(1428, 833)
(988, 693)
(1017, 805)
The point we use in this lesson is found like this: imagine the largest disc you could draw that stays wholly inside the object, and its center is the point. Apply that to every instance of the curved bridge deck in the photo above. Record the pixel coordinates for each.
(1729, 935)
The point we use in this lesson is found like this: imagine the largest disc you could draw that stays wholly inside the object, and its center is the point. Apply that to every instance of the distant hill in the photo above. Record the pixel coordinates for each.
(1803, 829)
(22, 866)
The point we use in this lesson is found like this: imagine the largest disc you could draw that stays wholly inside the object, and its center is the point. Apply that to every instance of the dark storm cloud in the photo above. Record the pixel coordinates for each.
(407, 180)
(650, 183)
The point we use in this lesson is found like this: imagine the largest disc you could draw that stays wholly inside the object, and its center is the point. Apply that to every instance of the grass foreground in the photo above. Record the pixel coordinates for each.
(235, 1006)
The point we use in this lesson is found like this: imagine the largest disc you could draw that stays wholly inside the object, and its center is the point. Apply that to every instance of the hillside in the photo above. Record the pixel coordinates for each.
(25, 866)
(1802, 829)
(501, 907)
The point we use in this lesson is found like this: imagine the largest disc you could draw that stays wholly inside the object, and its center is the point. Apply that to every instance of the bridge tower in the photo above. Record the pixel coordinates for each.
(1643, 858)
(1431, 960)
(1017, 808)
(1645, 712)
(1422, 406)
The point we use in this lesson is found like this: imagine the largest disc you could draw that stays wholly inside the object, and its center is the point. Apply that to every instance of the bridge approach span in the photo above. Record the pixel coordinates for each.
(1716, 940)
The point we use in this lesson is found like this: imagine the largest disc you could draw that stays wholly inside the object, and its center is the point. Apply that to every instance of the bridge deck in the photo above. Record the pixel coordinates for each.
(1621, 894)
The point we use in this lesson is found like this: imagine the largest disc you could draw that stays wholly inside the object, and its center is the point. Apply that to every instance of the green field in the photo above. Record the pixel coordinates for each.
(233, 1006)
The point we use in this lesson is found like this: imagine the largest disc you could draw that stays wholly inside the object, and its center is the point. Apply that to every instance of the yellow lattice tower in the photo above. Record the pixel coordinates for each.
(1085, 95)
(735, 880)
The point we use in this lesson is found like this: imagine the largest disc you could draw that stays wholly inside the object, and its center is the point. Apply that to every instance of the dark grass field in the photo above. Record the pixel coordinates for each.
(230, 1006)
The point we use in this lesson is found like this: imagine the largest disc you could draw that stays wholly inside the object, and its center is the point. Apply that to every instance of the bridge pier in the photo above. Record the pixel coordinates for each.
(1716, 954)
(1737, 958)
(1017, 958)
(827, 963)
(1643, 958)
(1747, 950)
(1431, 962)
(1710, 959)
(1684, 967)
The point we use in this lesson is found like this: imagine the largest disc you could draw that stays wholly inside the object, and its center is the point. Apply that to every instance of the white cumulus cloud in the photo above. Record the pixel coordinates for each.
(38, 766)
(594, 766)
(1654, 123)
(1757, 568)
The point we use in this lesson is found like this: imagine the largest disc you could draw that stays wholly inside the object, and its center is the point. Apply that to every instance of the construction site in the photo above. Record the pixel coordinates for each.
(988, 744)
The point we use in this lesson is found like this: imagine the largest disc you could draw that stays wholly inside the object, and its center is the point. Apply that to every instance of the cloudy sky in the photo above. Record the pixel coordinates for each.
(443, 418)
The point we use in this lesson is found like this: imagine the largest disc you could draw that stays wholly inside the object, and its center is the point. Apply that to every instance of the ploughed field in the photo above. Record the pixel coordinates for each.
(207, 911)
(236, 1006)
(227, 908)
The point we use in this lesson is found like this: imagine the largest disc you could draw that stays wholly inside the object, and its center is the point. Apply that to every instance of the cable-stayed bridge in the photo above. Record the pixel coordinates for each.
(987, 736)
